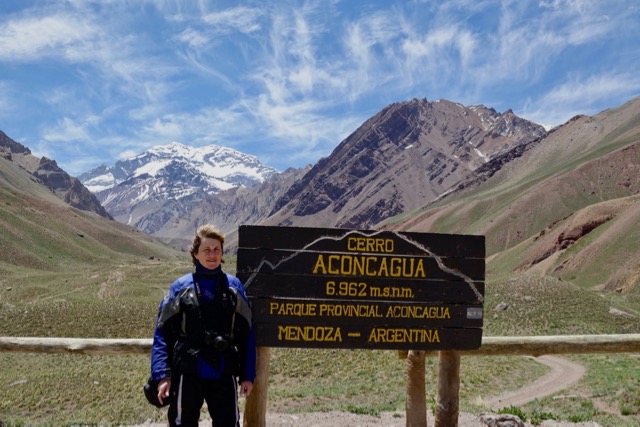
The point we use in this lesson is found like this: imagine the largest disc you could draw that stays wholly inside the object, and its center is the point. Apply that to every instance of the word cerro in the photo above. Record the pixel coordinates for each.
(370, 244)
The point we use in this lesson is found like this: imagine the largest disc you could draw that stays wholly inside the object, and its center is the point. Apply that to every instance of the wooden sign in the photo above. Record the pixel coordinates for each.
(340, 288)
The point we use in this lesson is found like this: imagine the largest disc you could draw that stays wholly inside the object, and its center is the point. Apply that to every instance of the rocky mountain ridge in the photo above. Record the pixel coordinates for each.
(216, 168)
(138, 191)
(403, 157)
(567, 206)
(47, 172)
(226, 209)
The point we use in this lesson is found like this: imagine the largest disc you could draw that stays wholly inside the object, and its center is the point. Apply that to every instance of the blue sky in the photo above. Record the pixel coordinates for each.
(90, 82)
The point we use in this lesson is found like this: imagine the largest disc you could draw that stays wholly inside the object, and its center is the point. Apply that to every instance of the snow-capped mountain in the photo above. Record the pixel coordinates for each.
(217, 167)
(135, 187)
(402, 158)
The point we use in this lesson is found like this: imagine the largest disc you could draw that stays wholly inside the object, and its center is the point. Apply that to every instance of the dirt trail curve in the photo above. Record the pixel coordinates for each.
(563, 374)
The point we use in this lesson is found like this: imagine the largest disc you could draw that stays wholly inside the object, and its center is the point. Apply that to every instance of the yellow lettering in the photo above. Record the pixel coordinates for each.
(309, 333)
(370, 266)
(292, 309)
(420, 270)
(346, 265)
(370, 244)
(350, 310)
(397, 335)
(358, 266)
(418, 312)
(371, 260)
(334, 269)
(396, 270)
(320, 265)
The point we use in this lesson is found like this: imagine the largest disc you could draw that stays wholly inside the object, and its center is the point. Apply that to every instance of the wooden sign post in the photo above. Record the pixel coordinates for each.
(340, 288)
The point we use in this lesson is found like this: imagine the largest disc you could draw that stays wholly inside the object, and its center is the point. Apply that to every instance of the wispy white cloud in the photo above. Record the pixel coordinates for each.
(67, 130)
(127, 154)
(442, 49)
(296, 78)
(293, 84)
(36, 37)
(370, 54)
(581, 96)
(164, 129)
(302, 75)
(238, 19)
(193, 38)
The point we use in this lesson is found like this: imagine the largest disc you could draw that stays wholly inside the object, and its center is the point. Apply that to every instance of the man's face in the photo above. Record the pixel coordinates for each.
(210, 253)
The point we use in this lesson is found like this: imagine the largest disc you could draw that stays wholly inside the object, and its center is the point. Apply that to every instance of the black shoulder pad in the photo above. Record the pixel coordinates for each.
(242, 307)
(186, 297)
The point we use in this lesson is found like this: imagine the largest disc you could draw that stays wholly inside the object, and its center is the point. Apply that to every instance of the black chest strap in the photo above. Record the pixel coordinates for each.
(217, 314)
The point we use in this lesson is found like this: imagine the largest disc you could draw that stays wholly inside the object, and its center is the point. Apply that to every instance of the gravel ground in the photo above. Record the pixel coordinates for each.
(563, 374)
(345, 419)
(387, 419)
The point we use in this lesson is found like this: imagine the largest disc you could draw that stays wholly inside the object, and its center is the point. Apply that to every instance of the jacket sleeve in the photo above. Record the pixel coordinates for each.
(163, 338)
(245, 332)
(249, 366)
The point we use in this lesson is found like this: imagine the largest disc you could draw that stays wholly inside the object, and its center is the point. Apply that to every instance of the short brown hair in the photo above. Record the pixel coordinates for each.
(209, 231)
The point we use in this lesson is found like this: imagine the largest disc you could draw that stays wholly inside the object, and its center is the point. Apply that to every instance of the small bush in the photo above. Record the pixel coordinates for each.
(538, 417)
(512, 410)
(362, 411)
(585, 413)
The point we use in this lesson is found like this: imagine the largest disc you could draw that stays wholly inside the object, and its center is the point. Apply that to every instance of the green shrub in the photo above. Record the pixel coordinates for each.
(512, 410)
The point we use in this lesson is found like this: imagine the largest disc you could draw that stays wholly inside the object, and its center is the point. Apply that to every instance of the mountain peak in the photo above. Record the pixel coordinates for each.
(169, 173)
(174, 148)
(401, 158)
(220, 167)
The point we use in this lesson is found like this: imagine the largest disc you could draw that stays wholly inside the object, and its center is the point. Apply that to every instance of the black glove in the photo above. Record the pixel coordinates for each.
(151, 393)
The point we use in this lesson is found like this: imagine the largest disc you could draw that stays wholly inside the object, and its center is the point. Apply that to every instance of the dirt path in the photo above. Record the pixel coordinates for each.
(563, 374)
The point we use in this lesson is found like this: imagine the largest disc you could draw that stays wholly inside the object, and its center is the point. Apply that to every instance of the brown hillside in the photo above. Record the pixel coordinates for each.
(403, 157)
(566, 207)
(588, 239)
(40, 231)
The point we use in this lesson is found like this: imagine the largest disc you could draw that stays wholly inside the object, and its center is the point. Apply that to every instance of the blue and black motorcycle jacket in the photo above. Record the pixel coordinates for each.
(204, 326)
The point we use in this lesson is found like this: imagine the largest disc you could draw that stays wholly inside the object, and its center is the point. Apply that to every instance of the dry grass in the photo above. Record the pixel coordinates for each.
(72, 389)
(67, 273)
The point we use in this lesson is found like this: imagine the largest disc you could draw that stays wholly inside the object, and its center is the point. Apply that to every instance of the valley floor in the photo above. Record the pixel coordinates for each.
(563, 374)
(386, 419)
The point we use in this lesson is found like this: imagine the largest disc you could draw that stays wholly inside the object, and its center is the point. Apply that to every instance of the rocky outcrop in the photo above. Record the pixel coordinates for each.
(48, 173)
(402, 158)
(174, 222)
(156, 190)
(12, 145)
(68, 188)
(501, 420)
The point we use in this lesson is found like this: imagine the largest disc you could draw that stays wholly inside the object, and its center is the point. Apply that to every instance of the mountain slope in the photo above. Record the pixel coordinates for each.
(176, 221)
(400, 159)
(39, 231)
(47, 172)
(146, 190)
(214, 168)
(567, 207)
